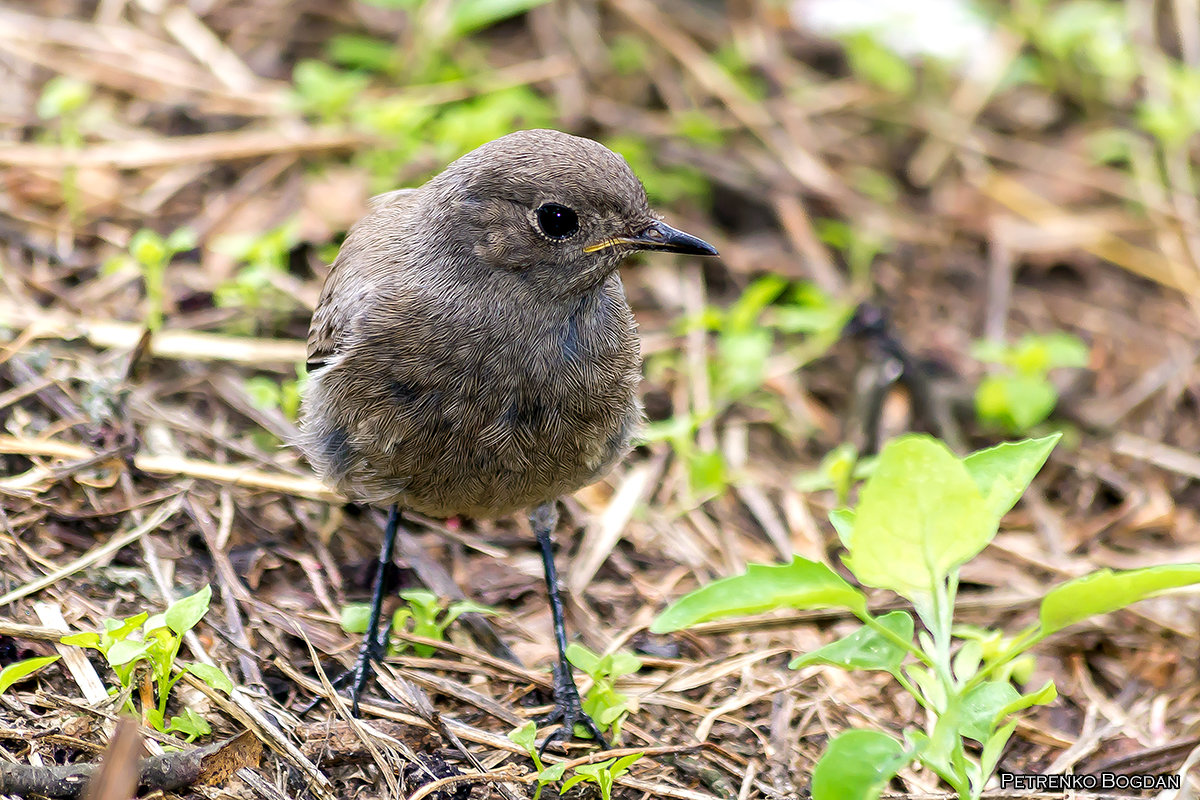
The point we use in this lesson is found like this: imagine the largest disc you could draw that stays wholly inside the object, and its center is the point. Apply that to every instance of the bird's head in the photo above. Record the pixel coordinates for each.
(560, 210)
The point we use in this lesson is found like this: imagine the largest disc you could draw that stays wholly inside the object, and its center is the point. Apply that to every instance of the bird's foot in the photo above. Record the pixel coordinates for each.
(357, 676)
(568, 710)
(372, 650)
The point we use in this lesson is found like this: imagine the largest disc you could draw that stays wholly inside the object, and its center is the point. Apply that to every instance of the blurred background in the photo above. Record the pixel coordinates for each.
(978, 220)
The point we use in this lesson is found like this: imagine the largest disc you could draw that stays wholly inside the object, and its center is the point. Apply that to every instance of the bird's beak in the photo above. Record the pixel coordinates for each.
(659, 236)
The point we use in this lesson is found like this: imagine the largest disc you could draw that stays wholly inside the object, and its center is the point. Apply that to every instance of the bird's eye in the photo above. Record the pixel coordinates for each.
(557, 222)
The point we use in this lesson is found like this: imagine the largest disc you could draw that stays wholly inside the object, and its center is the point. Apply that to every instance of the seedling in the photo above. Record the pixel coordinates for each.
(603, 703)
(252, 289)
(20, 670)
(1022, 395)
(423, 616)
(921, 515)
(268, 393)
(602, 773)
(151, 253)
(526, 738)
(63, 98)
(155, 640)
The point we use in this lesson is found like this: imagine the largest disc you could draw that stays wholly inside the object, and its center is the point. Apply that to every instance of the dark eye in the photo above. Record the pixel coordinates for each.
(557, 222)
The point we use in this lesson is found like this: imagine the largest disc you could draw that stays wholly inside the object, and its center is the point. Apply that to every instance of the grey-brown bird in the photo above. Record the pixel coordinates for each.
(472, 352)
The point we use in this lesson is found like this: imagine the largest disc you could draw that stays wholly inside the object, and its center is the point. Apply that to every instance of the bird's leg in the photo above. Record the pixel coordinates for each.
(374, 648)
(568, 708)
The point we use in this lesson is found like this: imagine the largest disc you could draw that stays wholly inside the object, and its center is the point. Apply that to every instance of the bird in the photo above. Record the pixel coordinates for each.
(473, 354)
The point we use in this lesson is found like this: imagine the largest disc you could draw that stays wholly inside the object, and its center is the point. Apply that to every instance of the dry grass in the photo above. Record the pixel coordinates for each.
(128, 480)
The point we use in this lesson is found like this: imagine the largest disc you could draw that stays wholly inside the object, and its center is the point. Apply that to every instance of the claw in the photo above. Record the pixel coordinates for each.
(568, 709)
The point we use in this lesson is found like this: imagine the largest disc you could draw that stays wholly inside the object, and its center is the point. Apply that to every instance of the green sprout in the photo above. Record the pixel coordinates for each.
(150, 253)
(603, 773)
(921, 515)
(603, 703)
(154, 641)
(1022, 395)
(63, 99)
(424, 615)
(526, 738)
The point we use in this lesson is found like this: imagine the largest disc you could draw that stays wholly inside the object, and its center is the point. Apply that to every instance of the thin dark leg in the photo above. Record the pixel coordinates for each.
(568, 708)
(373, 648)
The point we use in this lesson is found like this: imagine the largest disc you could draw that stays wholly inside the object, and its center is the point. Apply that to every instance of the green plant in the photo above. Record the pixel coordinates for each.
(263, 257)
(155, 641)
(151, 253)
(424, 615)
(63, 99)
(269, 393)
(19, 670)
(1022, 395)
(603, 703)
(526, 737)
(746, 339)
(921, 515)
(602, 773)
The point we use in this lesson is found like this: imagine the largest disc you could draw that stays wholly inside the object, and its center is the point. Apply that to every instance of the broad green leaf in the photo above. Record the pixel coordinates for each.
(156, 622)
(553, 772)
(182, 615)
(918, 517)
(857, 765)
(624, 664)
(211, 675)
(1104, 591)
(966, 661)
(23, 669)
(982, 707)
(190, 724)
(865, 648)
(525, 736)
(124, 652)
(355, 617)
(1004, 472)
(843, 523)
(583, 658)
(801, 584)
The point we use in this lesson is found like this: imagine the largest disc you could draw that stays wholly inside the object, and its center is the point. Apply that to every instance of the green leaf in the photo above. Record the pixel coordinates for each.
(355, 617)
(857, 765)
(525, 736)
(982, 708)
(624, 664)
(468, 16)
(1015, 402)
(843, 523)
(85, 639)
(622, 764)
(801, 584)
(182, 615)
(156, 622)
(865, 648)
(967, 660)
(191, 724)
(994, 747)
(211, 675)
(23, 669)
(583, 658)
(1104, 591)
(1004, 472)
(1041, 697)
(552, 773)
(62, 95)
(919, 516)
(124, 652)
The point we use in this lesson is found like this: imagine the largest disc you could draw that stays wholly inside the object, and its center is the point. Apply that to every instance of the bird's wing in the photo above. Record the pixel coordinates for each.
(341, 294)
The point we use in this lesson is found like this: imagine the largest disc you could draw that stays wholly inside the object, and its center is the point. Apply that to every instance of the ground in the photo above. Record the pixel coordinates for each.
(1047, 189)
